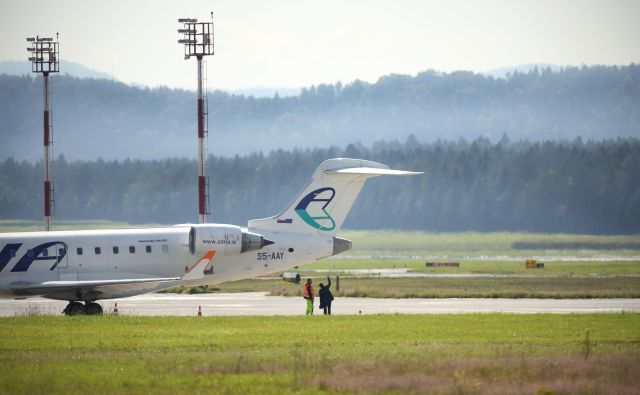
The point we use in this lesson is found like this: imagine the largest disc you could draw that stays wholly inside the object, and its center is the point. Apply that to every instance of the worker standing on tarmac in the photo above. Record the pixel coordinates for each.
(326, 297)
(308, 295)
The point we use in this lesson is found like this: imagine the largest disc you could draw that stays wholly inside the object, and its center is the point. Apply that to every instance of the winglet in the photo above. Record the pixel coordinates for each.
(196, 271)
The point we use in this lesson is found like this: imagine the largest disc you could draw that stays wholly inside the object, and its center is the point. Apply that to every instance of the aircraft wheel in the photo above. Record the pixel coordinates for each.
(92, 308)
(74, 308)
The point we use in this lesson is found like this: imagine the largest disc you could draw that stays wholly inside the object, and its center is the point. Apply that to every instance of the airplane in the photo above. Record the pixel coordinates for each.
(89, 265)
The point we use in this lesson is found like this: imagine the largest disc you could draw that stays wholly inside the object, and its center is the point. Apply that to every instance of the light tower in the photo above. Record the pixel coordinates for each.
(197, 38)
(44, 56)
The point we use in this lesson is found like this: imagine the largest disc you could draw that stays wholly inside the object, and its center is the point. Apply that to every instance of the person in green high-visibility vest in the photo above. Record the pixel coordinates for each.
(308, 295)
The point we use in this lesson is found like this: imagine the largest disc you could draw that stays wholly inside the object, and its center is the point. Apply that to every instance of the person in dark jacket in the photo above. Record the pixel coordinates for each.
(326, 297)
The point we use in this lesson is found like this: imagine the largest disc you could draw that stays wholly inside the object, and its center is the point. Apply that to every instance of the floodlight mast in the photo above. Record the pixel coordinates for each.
(44, 56)
(197, 38)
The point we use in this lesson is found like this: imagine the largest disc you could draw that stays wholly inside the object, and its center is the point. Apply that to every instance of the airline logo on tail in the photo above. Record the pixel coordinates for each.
(312, 209)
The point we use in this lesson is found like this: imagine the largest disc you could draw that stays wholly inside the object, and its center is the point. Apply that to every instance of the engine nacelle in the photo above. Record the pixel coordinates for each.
(224, 240)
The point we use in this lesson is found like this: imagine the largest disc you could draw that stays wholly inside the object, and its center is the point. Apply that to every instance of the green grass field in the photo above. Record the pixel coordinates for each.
(389, 354)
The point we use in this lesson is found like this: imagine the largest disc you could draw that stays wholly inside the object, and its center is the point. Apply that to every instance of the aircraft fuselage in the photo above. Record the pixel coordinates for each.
(129, 254)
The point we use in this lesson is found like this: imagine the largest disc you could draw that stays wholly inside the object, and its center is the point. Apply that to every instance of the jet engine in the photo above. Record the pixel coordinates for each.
(224, 239)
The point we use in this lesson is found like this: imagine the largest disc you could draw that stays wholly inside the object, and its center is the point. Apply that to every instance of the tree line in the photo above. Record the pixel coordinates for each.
(550, 186)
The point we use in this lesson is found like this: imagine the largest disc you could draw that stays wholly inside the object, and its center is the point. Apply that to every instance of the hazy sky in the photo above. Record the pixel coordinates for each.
(293, 43)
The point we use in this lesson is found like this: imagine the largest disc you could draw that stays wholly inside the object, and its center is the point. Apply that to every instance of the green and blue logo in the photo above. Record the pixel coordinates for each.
(320, 219)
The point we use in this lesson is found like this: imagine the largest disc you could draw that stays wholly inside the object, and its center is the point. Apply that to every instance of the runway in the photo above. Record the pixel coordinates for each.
(257, 303)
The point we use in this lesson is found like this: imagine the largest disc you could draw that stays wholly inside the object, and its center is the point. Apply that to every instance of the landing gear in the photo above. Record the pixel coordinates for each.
(92, 308)
(89, 308)
(73, 308)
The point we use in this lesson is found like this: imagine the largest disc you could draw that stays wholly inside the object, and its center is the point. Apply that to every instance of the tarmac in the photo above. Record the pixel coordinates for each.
(259, 304)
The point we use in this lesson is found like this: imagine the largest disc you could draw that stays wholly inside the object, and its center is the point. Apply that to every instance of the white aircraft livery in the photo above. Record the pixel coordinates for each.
(89, 265)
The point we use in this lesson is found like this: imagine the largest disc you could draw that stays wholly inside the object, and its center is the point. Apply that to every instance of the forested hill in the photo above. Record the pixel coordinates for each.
(102, 118)
(583, 187)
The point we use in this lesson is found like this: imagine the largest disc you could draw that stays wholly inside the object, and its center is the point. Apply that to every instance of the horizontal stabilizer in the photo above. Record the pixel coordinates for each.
(372, 171)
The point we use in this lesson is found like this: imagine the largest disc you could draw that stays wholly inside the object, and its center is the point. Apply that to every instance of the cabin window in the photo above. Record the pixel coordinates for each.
(132, 249)
(165, 248)
(116, 249)
(79, 250)
(30, 253)
(45, 252)
(148, 248)
(12, 253)
(97, 249)
(62, 252)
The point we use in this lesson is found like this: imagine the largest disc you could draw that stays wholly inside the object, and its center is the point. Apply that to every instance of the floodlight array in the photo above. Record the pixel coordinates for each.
(43, 53)
(197, 37)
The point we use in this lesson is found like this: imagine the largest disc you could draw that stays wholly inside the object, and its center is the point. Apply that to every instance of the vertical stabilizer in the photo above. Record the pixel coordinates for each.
(323, 205)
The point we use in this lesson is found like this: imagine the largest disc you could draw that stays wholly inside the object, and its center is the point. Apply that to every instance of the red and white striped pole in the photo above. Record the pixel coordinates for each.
(44, 58)
(46, 161)
(202, 182)
(197, 38)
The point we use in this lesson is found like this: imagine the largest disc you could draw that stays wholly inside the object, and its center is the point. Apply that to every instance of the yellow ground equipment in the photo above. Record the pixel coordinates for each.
(533, 264)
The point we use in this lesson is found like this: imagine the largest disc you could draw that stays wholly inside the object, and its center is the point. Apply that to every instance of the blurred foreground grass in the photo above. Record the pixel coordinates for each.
(443, 354)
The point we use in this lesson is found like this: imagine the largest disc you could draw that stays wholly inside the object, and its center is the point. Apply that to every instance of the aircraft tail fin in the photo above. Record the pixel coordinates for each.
(323, 205)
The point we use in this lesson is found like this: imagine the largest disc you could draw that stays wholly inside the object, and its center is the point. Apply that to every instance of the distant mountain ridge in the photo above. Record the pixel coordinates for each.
(99, 118)
(15, 67)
